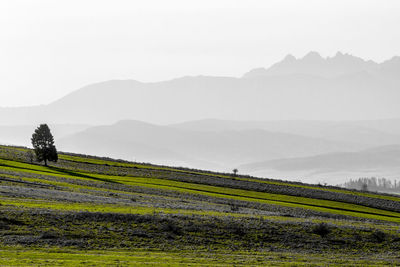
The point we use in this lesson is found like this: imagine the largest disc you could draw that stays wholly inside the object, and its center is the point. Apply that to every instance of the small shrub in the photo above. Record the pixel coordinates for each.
(321, 229)
(172, 227)
(378, 236)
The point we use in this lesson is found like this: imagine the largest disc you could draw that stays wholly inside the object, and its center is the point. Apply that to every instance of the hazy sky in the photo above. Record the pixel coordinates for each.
(49, 48)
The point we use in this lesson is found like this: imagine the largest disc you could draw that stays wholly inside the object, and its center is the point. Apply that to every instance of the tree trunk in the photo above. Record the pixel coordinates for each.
(45, 162)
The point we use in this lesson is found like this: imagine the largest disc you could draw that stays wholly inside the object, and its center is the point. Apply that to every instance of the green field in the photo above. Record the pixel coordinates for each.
(86, 210)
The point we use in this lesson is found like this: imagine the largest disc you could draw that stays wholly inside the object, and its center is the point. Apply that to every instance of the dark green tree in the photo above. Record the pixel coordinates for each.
(43, 144)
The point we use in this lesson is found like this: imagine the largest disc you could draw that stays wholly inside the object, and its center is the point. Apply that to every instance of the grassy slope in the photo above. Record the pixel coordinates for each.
(92, 203)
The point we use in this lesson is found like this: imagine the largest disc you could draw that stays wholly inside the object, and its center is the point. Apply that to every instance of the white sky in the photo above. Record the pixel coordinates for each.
(50, 48)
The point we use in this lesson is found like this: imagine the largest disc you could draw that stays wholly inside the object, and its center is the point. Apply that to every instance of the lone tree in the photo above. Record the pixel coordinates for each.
(364, 187)
(235, 171)
(43, 144)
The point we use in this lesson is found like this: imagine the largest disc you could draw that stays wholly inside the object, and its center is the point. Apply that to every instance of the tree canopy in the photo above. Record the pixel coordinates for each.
(43, 144)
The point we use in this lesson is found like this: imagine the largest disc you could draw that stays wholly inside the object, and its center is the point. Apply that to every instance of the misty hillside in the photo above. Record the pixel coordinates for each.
(284, 149)
(217, 150)
(342, 87)
(367, 133)
(334, 167)
(297, 109)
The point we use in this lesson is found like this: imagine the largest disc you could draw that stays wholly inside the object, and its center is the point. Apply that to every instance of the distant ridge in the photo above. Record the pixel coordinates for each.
(215, 150)
(340, 64)
(343, 87)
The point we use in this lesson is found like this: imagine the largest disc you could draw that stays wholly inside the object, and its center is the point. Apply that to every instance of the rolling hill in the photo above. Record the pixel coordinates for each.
(89, 210)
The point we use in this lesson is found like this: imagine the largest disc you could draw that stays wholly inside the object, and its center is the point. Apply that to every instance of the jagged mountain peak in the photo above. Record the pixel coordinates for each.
(312, 56)
(316, 65)
(340, 54)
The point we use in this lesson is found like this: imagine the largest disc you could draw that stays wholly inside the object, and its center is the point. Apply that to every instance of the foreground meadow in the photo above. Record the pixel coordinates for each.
(93, 211)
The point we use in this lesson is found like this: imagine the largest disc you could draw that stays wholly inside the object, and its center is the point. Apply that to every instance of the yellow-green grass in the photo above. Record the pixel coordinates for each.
(122, 164)
(75, 187)
(10, 148)
(89, 180)
(129, 209)
(19, 256)
(275, 199)
(105, 208)
(85, 188)
(145, 166)
(71, 186)
(285, 200)
(223, 192)
(7, 164)
(15, 166)
(25, 203)
(137, 165)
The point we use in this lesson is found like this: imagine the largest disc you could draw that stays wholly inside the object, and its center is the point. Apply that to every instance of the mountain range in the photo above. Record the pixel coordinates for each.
(343, 87)
(313, 118)
(218, 150)
(331, 67)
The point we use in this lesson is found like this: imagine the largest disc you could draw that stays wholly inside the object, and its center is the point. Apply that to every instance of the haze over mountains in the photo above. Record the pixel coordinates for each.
(300, 118)
(343, 87)
(333, 167)
(312, 151)
(207, 149)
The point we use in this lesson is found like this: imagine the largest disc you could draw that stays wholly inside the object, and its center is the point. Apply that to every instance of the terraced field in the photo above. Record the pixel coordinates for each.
(88, 210)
